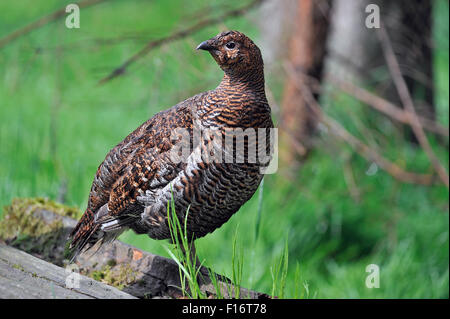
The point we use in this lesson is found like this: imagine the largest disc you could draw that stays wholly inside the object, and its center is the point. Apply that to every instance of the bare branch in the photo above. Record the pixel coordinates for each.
(43, 21)
(349, 177)
(385, 106)
(358, 146)
(407, 102)
(370, 154)
(176, 36)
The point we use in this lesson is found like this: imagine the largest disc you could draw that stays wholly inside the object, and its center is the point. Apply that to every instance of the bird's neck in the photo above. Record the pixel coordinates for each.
(251, 81)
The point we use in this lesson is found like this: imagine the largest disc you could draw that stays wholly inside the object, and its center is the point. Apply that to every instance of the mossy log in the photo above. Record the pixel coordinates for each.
(23, 276)
(41, 227)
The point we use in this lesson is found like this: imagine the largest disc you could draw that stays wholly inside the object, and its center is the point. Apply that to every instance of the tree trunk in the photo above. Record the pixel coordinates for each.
(306, 55)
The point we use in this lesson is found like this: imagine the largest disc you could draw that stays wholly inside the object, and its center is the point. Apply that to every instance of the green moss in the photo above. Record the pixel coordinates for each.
(19, 267)
(21, 227)
(111, 262)
(99, 275)
(118, 276)
(19, 219)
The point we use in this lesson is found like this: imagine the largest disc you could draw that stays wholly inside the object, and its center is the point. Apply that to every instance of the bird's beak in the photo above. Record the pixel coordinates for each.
(205, 45)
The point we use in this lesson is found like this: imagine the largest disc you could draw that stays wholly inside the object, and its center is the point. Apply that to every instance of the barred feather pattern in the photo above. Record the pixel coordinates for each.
(138, 178)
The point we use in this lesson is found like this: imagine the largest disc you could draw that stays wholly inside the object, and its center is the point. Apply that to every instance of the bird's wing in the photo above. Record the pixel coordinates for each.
(150, 169)
(138, 161)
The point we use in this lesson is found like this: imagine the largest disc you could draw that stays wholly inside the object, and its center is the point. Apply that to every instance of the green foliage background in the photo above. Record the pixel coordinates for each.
(56, 126)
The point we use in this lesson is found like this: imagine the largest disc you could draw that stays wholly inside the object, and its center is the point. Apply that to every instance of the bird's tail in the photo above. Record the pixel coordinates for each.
(95, 229)
(85, 235)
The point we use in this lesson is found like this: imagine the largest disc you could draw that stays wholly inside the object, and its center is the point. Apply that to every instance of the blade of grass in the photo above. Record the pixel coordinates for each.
(259, 212)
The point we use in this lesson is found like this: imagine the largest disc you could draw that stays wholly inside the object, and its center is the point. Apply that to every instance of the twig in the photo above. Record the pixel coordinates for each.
(43, 21)
(371, 155)
(407, 102)
(350, 181)
(386, 107)
(176, 36)
(363, 71)
(361, 148)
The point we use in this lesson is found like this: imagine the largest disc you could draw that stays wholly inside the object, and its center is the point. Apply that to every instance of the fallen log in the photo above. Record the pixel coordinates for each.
(41, 227)
(23, 276)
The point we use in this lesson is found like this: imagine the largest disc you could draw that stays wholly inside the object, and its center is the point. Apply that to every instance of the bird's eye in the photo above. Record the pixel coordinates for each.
(230, 45)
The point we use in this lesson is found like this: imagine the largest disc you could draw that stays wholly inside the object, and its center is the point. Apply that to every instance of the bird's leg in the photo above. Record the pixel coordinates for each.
(204, 271)
(190, 255)
(189, 252)
(192, 262)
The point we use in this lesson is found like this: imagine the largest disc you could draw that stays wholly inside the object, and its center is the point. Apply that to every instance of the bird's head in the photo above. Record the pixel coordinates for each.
(235, 53)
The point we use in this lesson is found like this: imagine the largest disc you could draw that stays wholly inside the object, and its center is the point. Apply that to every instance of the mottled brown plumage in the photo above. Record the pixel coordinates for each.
(135, 182)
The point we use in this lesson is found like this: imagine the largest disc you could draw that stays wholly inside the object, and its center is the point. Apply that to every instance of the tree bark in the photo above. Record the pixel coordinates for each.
(23, 276)
(306, 54)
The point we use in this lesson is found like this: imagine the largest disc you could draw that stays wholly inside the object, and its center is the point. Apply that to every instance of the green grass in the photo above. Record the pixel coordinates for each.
(56, 127)
(182, 255)
(190, 265)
